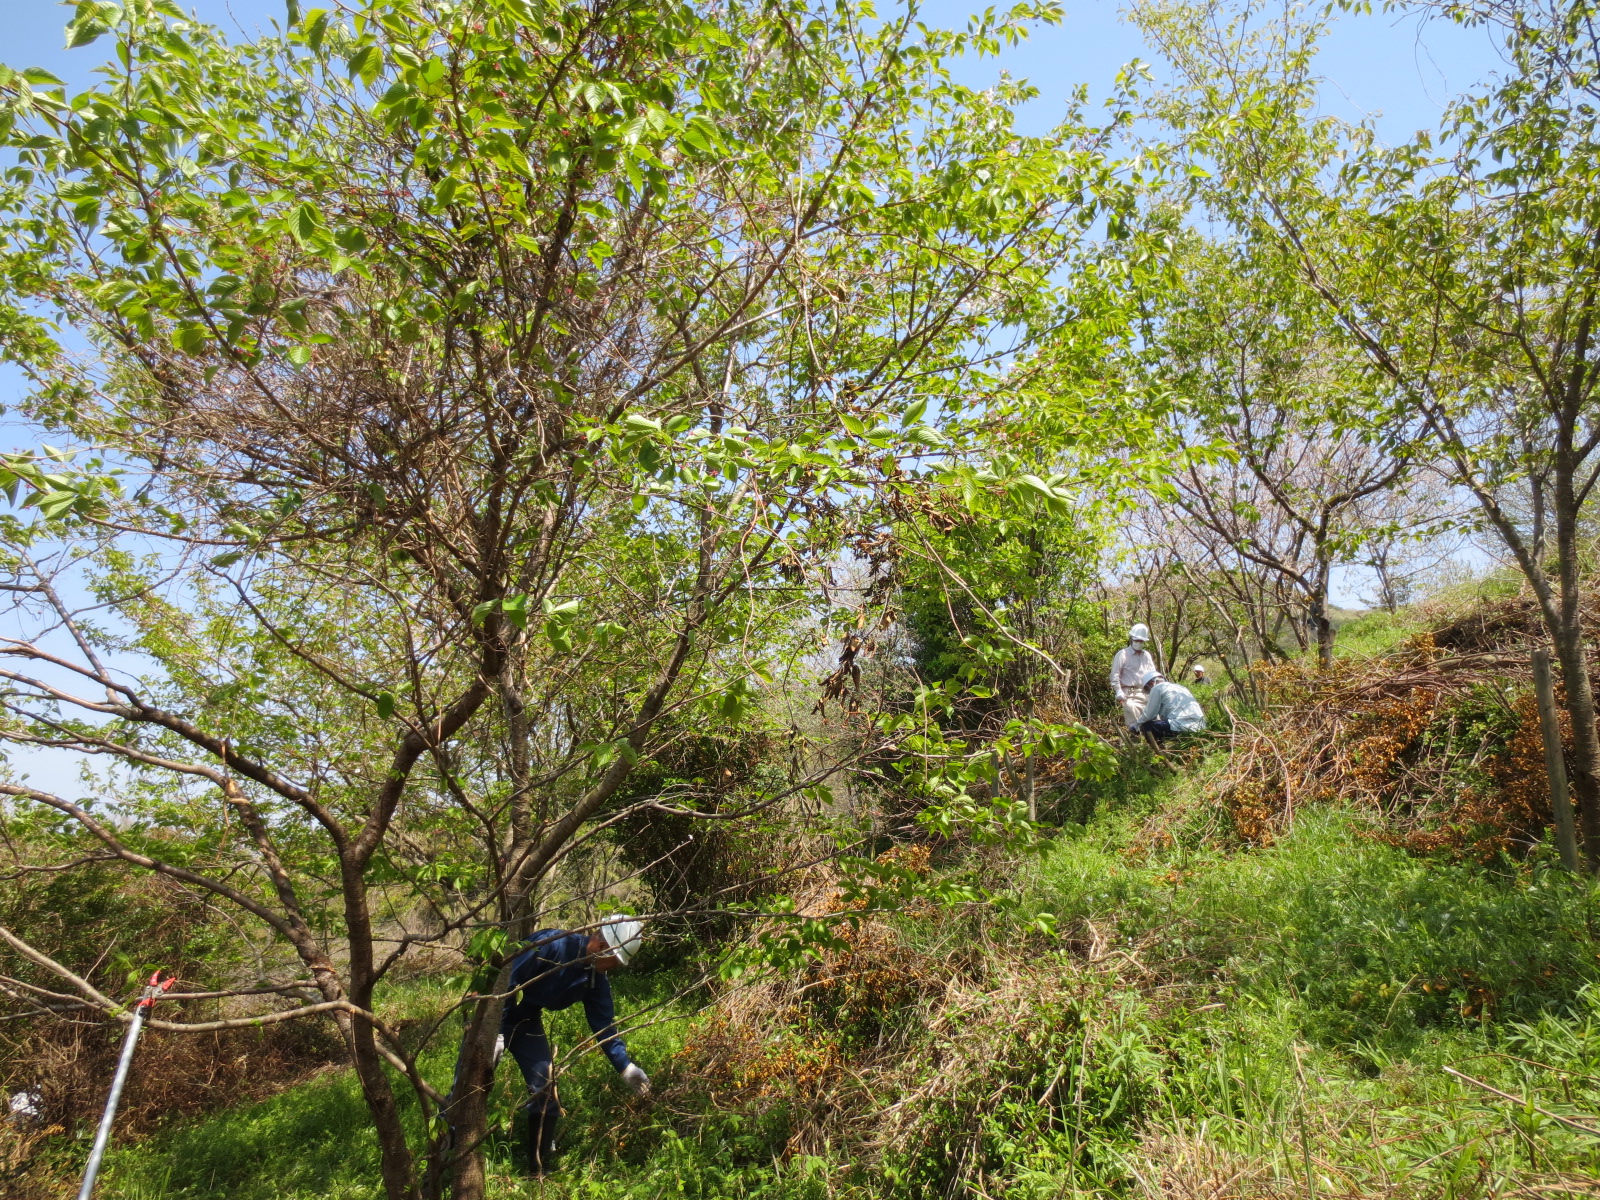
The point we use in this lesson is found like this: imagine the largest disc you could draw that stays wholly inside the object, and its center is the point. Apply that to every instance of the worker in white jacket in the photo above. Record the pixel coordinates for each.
(1170, 708)
(1128, 669)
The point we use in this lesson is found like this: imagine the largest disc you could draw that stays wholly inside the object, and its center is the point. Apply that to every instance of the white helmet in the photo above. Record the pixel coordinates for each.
(623, 935)
(1150, 677)
(1139, 633)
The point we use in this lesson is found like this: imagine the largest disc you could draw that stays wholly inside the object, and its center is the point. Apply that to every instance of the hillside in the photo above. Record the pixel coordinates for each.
(1333, 999)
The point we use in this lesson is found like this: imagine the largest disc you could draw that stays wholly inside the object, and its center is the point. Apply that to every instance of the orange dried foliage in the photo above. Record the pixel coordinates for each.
(1380, 738)
(1360, 730)
(1510, 813)
(733, 1063)
(799, 1036)
(916, 857)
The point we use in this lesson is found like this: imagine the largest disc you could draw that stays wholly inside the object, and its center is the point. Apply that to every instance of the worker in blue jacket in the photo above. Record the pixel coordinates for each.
(556, 971)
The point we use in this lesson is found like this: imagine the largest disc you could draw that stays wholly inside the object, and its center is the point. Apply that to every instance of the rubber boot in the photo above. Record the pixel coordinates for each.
(542, 1124)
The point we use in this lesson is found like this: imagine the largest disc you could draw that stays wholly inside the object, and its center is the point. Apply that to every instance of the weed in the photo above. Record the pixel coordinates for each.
(1211, 1022)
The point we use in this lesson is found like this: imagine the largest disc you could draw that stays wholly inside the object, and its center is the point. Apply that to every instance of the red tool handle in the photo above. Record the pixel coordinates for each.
(160, 983)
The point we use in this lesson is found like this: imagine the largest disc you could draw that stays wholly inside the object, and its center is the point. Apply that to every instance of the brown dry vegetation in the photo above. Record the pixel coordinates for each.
(177, 1075)
(1441, 736)
(935, 1052)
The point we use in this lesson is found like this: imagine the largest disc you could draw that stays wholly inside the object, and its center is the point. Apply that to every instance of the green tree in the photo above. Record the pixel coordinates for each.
(488, 377)
(1463, 268)
(1287, 476)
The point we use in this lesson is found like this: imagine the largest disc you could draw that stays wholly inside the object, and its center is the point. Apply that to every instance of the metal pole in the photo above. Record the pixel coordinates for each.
(1555, 764)
(147, 1000)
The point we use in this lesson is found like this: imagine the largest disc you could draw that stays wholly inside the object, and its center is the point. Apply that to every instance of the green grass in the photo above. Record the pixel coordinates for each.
(1377, 632)
(313, 1141)
(1340, 977)
(1281, 1017)
(1373, 943)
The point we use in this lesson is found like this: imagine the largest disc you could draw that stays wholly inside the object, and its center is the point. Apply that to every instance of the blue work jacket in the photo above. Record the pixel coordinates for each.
(555, 973)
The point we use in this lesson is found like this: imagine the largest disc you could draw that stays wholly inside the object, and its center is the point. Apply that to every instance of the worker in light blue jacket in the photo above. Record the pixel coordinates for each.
(557, 970)
(1169, 708)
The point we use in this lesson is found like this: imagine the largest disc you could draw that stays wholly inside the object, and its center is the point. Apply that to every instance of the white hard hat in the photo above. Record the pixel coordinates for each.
(1139, 633)
(623, 935)
(1150, 677)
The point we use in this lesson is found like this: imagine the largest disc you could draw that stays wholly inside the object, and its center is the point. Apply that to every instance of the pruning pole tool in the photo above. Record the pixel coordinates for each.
(158, 985)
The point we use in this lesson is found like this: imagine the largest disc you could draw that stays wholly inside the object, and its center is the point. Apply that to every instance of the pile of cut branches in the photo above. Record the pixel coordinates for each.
(1442, 740)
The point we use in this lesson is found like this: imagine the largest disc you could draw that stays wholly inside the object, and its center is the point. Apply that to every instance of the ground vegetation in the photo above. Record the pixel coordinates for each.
(499, 464)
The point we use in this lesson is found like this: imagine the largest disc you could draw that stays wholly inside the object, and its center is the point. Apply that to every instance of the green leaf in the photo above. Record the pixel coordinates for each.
(365, 64)
(94, 18)
(191, 338)
(298, 355)
(316, 27)
(558, 624)
(305, 223)
(56, 504)
(488, 945)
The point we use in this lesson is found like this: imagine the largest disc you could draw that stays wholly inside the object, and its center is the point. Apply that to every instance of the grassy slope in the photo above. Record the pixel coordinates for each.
(1269, 1022)
(314, 1141)
(1346, 975)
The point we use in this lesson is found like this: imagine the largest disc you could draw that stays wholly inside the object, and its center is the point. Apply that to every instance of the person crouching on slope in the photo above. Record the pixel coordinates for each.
(557, 971)
(1169, 708)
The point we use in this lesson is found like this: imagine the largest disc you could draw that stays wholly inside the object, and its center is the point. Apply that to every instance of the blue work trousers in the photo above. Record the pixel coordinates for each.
(526, 1042)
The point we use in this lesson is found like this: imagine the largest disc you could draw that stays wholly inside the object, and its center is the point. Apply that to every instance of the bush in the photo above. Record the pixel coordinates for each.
(115, 929)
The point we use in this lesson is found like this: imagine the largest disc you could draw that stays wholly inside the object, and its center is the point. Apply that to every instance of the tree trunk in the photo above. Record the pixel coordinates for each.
(527, 863)
(1033, 803)
(1567, 632)
(458, 1152)
(394, 1154)
(458, 1156)
(1585, 762)
(1321, 624)
(397, 1164)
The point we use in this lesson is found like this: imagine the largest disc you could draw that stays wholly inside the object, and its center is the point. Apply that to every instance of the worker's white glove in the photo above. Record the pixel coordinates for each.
(636, 1080)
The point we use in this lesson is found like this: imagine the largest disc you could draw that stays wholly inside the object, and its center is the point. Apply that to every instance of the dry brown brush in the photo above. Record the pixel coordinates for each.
(1440, 736)
(929, 1035)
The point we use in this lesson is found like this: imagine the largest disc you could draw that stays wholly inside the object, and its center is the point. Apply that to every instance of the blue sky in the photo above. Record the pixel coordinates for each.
(1404, 66)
